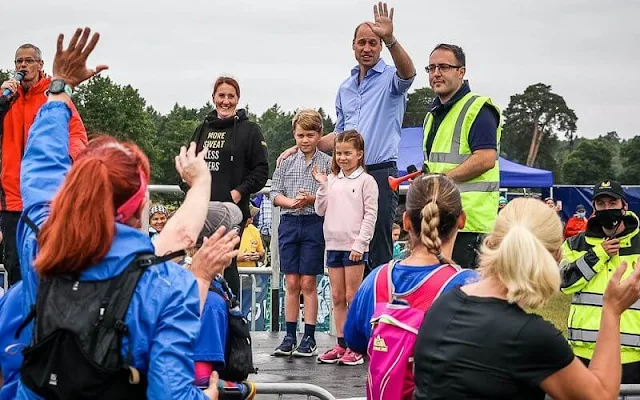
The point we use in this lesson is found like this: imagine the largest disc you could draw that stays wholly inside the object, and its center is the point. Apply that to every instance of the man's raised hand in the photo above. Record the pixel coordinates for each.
(70, 64)
(383, 26)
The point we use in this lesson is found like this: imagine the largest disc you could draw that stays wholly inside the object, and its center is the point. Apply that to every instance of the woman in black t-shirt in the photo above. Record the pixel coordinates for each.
(477, 342)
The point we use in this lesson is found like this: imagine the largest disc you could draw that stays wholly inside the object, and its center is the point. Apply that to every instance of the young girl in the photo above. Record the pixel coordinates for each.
(348, 199)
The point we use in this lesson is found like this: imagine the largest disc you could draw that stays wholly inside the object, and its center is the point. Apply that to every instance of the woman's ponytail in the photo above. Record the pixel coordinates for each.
(519, 252)
(80, 229)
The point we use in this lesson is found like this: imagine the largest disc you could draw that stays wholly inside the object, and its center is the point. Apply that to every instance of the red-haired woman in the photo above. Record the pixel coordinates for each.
(88, 225)
(236, 154)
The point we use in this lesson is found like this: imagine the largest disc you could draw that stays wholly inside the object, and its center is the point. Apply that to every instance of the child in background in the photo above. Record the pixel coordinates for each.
(348, 199)
(399, 246)
(251, 247)
(300, 236)
(502, 203)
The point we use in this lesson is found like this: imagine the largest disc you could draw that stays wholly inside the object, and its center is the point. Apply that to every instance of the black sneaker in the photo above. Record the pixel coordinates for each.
(307, 348)
(286, 347)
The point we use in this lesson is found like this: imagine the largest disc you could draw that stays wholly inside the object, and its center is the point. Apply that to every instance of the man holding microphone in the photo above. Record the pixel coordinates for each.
(20, 100)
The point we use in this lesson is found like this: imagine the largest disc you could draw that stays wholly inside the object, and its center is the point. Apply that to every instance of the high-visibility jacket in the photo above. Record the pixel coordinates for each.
(451, 148)
(15, 121)
(586, 270)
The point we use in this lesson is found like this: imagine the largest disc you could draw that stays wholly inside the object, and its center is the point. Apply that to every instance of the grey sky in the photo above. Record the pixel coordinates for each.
(296, 53)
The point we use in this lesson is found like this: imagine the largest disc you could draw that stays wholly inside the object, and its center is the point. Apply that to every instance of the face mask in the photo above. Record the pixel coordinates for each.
(609, 219)
(581, 214)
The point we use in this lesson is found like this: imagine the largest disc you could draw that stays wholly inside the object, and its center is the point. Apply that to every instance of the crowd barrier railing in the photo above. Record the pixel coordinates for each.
(306, 389)
(5, 280)
(251, 272)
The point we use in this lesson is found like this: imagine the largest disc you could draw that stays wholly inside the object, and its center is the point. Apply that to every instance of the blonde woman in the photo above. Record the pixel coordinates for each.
(477, 342)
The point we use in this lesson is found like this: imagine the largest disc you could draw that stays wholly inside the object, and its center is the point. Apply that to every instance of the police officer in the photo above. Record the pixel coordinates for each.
(589, 260)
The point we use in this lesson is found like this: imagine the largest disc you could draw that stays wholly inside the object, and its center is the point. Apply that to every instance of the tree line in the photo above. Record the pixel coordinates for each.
(539, 130)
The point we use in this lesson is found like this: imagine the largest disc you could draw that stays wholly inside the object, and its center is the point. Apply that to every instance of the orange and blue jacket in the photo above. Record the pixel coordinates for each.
(16, 117)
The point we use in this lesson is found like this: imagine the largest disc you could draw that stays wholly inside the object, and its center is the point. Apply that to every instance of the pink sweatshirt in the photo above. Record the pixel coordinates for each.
(350, 209)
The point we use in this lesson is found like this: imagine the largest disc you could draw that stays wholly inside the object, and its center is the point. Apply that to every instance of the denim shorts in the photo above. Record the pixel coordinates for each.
(301, 243)
(339, 258)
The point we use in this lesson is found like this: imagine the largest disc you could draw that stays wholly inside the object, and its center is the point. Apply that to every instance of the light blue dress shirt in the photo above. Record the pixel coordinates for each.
(375, 108)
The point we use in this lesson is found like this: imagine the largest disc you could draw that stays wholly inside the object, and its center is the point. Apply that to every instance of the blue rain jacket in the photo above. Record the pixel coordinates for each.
(163, 315)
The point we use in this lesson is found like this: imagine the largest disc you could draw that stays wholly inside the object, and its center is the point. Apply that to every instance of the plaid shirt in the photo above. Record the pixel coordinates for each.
(264, 218)
(294, 173)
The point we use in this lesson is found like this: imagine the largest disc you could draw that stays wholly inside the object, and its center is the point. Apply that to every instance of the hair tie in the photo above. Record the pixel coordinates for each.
(440, 258)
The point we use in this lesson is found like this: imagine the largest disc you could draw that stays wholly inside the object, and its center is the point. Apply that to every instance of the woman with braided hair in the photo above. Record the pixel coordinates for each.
(478, 342)
(432, 217)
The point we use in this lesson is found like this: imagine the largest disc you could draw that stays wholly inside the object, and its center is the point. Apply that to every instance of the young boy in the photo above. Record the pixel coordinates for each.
(300, 235)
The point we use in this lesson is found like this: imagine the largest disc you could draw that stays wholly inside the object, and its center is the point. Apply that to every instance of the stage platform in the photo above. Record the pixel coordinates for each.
(341, 381)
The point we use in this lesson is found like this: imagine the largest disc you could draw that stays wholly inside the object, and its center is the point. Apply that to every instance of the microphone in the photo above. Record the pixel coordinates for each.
(18, 77)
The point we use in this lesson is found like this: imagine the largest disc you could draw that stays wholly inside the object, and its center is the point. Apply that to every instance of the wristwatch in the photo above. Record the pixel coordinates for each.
(58, 86)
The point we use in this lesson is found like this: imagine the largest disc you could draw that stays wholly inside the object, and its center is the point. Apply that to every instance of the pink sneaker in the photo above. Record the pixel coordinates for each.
(332, 356)
(351, 358)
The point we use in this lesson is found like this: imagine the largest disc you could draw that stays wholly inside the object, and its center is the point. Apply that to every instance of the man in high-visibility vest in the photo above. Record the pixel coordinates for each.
(461, 140)
(589, 259)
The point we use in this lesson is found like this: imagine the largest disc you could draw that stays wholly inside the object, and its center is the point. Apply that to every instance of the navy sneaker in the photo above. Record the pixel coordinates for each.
(286, 347)
(307, 348)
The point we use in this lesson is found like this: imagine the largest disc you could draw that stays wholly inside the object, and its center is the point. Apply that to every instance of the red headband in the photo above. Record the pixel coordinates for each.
(129, 208)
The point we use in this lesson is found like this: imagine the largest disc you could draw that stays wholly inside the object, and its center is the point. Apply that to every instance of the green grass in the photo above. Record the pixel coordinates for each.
(557, 311)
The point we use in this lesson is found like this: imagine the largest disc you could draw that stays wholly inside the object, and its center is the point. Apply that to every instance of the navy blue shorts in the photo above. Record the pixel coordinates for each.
(301, 243)
(338, 258)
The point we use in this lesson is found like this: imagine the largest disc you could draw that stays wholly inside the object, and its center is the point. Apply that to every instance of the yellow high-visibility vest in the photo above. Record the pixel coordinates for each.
(451, 148)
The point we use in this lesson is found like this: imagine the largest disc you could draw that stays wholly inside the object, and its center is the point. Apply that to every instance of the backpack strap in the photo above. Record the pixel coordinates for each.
(30, 223)
(115, 303)
(384, 289)
(169, 256)
(427, 291)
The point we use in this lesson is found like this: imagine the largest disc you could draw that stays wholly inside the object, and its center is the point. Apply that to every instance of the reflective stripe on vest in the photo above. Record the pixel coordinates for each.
(596, 300)
(478, 187)
(581, 335)
(454, 156)
(586, 270)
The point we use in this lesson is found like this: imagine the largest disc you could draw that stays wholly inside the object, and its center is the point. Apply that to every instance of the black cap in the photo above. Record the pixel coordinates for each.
(609, 188)
(580, 207)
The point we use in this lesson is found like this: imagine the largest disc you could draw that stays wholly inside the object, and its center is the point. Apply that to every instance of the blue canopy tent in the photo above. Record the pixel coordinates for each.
(512, 175)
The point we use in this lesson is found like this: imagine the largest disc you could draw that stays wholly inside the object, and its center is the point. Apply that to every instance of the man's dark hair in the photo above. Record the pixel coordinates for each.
(31, 46)
(461, 59)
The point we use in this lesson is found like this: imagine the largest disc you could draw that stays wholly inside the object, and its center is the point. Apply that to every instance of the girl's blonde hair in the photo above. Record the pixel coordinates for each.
(433, 206)
(520, 252)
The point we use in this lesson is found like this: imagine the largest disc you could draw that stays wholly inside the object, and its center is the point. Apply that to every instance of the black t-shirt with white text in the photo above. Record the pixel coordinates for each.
(480, 348)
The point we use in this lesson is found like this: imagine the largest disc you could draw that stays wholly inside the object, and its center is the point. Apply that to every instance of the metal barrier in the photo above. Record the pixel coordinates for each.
(252, 272)
(294, 388)
(5, 280)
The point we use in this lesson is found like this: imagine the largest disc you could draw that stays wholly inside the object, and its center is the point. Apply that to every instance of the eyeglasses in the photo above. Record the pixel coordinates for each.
(29, 61)
(442, 67)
